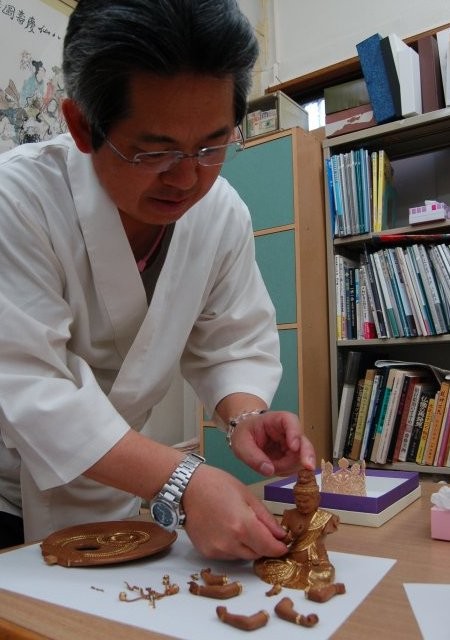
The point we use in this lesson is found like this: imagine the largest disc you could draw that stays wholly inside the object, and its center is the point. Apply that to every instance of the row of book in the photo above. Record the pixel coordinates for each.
(393, 292)
(361, 192)
(394, 412)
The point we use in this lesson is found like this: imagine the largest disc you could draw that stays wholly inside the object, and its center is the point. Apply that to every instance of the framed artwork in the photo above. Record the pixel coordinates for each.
(31, 81)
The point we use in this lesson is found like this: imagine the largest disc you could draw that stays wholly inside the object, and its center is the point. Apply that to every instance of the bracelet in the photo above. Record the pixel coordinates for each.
(233, 422)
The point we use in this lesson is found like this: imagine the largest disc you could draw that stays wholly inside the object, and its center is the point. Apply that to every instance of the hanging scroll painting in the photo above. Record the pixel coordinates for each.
(31, 82)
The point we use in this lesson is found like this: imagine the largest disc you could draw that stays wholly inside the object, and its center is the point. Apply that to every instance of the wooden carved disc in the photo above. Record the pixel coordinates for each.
(100, 543)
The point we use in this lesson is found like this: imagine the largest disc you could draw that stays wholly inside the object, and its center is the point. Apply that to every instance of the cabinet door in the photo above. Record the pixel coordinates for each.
(263, 177)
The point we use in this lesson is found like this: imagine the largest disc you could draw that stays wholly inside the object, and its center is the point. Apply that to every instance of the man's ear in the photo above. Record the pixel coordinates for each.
(77, 125)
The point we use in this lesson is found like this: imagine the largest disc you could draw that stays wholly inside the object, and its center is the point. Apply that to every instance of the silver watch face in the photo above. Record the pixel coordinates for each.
(164, 514)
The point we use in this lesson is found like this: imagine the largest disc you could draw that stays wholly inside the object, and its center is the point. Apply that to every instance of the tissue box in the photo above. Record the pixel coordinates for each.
(440, 524)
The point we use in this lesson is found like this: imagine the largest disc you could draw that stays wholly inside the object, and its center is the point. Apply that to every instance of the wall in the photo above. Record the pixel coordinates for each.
(312, 35)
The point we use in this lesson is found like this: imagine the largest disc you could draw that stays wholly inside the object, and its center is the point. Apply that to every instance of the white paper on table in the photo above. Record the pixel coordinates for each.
(430, 604)
(185, 615)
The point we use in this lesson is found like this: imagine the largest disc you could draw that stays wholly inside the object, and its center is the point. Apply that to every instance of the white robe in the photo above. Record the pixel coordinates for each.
(83, 358)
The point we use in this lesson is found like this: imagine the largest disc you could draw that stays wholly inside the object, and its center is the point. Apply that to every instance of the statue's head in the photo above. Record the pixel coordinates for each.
(306, 491)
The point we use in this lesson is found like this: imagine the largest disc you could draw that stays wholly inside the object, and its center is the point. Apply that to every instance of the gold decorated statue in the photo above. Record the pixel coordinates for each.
(306, 564)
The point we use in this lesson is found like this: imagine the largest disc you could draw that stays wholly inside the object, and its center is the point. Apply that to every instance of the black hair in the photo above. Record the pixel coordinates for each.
(107, 41)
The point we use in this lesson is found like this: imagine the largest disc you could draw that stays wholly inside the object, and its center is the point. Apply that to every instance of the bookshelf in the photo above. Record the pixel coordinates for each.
(280, 178)
(419, 150)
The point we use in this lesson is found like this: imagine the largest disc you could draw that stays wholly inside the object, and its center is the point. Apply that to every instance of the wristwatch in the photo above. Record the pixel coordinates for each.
(165, 507)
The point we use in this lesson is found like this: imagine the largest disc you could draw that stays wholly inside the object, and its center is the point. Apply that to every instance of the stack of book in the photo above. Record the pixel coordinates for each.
(395, 412)
(347, 108)
(393, 292)
(361, 192)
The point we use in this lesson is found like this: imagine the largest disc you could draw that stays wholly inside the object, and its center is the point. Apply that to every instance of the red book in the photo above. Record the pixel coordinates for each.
(430, 74)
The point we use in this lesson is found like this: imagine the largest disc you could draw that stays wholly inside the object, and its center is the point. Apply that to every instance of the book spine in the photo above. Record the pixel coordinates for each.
(416, 431)
(362, 414)
(353, 417)
(431, 289)
(348, 391)
(435, 427)
(370, 414)
(430, 74)
(413, 407)
(411, 294)
(425, 430)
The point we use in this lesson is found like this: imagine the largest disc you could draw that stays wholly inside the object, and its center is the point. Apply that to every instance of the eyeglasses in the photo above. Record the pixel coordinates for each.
(160, 161)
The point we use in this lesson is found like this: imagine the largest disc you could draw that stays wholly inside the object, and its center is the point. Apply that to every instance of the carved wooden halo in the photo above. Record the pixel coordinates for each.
(99, 543)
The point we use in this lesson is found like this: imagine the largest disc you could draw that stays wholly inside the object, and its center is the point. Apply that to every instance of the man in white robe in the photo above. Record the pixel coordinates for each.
(123, 254)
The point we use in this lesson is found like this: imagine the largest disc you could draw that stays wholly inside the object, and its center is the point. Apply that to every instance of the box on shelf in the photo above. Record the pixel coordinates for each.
(346, 95)
(349, 120)
(273, 112)
(430, 211)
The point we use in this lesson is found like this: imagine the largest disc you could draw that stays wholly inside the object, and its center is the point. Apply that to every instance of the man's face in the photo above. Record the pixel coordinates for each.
(185, 113)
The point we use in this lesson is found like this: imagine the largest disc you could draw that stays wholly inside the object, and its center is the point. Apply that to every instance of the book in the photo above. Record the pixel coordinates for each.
(425, 430)
(410, 383)
(430, 288)
(403, 69)
(386, 193)
(362, 414)
(388, 492)
(351, 429)
(375, 75)
(441, 448)
(351, 375)
(368, 328)
(402, 377)
(373, 294)
(399, 285)
(410, 90)
(411, 293)
(378, 379)
(418, 389)
(382, 414)
(416, 431)
(443, 41)
(432, 90)
(435, 427)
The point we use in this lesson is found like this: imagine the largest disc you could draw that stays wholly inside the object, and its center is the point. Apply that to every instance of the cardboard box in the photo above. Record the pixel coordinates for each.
(349, 120)
(440, 524)
(273, 112)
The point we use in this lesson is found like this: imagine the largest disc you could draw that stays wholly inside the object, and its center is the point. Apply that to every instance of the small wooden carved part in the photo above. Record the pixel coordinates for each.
(211, 578)
(245, 623)
(220, 591)
(274, 591)
(285, 610)
(325, 592)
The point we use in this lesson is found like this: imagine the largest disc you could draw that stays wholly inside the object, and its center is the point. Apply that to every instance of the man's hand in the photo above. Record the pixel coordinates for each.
(224, 520)
(273, 443)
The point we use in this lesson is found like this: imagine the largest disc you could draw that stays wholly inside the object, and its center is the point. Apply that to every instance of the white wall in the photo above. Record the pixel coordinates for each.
(310, 35)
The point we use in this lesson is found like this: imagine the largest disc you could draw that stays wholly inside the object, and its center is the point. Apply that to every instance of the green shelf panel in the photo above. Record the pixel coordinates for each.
(218, 454)
(286, 397)
(263, 177)
(275, 255)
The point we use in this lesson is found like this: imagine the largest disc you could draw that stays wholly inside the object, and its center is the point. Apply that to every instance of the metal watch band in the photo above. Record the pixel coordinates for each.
(174, 488)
